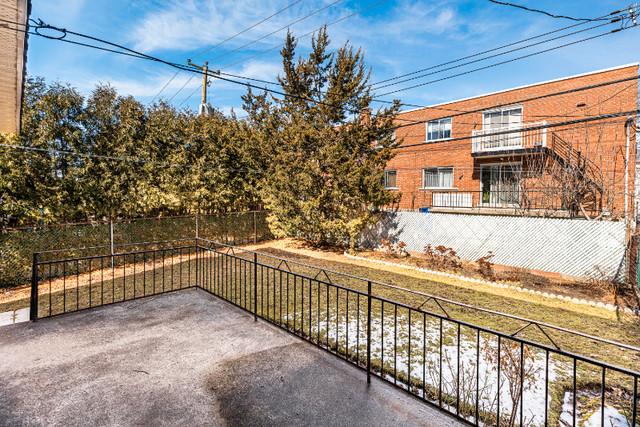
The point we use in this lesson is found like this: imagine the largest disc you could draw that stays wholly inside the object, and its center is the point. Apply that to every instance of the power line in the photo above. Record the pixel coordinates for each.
(477, 54)
(189, 97)
(533, 128)
(590, 107)
(165, 86)
(504, 62)
(546, 13)
(304, 35)
(612, 20)
(255, 41)
(224, 41)
(126, 159)
(479, 110)
(523, 100)
(492, 56)
(183, 86)
(131, 52)
(415, 72)
(443, 145)
(557, 47)
(143, 56)
(224, 74)
(276, 31)
(280, 45)
(247, 29)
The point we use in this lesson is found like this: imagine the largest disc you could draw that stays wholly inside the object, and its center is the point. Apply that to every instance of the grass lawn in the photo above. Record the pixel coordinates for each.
(610, 325)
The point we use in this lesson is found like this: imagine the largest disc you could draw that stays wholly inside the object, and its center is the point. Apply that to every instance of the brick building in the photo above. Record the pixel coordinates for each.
(515, 151)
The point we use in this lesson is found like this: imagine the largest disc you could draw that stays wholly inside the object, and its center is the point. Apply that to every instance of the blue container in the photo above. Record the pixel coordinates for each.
(424, 210)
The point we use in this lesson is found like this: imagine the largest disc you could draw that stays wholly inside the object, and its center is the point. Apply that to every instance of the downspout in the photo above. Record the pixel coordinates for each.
(627, 126)
(630, 225)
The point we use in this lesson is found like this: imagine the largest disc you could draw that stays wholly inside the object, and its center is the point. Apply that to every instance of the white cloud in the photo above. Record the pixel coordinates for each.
(140, 88)
(149, 86)
(191, 25)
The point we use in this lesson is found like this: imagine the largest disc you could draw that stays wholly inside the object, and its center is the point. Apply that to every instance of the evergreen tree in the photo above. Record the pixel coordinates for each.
(50, 186)
(38, 186)
(323, 153)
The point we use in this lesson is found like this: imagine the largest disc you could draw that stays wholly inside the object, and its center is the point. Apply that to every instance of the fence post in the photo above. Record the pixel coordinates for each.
(255, 228)
(197, 254)
(111, 239)
(197, 236)
(33, 309)
(197, 264)
(369, 332)
(255, 286)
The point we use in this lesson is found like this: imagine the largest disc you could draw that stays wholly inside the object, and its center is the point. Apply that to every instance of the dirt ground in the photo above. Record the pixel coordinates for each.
(594, 290)
(574, 287)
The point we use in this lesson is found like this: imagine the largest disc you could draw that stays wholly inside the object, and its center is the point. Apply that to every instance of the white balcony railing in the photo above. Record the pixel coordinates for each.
(510, 137)
(452, 200)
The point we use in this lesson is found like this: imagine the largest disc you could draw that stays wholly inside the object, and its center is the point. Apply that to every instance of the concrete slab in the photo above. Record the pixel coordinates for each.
(185, 358)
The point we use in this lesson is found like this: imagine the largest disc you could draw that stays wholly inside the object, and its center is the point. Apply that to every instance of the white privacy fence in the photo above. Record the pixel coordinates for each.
(566, 246)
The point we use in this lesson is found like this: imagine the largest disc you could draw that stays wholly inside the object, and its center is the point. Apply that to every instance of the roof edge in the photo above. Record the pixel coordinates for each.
(575, 76)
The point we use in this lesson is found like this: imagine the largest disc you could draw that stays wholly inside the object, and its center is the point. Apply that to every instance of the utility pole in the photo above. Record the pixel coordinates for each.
(204, 107)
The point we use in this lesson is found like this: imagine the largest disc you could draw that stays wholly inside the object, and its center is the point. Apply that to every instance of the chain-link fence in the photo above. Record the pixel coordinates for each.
(107, 237)
(572, 247)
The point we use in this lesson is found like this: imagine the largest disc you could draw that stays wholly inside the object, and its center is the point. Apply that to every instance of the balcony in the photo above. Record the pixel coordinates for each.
(515, 139)
(496, 199)
(504, 200)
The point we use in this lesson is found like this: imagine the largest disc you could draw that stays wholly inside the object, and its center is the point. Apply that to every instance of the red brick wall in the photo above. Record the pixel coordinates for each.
(602, 142)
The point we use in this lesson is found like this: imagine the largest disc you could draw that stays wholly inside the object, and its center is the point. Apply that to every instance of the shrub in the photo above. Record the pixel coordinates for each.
(393, 249)
(441, 258)
(485, 267)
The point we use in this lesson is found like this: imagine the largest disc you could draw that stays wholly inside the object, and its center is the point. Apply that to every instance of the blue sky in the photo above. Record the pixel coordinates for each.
(397, 36)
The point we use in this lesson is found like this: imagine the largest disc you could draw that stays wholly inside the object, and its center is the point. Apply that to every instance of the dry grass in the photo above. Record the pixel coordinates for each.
(610, 325)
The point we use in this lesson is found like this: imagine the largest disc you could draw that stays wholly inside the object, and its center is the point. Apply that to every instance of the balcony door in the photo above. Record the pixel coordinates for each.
(502, 120)
(500, 184)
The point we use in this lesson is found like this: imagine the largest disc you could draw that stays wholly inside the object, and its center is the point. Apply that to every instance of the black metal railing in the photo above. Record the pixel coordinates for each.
(479, 374)
(68, 285)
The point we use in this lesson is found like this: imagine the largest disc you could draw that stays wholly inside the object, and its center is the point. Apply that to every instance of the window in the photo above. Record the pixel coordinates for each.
(497, 120)
(503, 118)
(439, 129)
(390, 179)
(437, 177)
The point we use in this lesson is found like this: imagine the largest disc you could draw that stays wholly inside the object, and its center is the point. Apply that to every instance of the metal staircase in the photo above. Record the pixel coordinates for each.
(576, 171)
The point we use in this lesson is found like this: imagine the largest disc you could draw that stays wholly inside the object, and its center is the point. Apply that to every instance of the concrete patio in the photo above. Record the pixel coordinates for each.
(185, 358)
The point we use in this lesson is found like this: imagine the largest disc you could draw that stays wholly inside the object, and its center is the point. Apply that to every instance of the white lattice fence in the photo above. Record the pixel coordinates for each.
(566, 246)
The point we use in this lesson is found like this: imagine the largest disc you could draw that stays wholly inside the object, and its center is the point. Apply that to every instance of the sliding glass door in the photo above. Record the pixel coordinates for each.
(500, 184)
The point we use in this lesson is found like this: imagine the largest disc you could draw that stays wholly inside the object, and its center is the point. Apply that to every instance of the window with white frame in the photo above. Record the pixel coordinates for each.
(437, 177)
(390, 179)
(439, 129)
